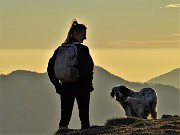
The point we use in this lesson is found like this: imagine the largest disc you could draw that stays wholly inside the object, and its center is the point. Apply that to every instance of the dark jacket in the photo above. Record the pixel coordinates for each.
(85, 70)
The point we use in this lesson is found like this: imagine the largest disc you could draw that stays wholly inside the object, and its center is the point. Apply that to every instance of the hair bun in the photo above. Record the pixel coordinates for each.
(74, 22)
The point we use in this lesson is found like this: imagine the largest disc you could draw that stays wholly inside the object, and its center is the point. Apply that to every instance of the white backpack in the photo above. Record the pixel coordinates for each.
(66, 63)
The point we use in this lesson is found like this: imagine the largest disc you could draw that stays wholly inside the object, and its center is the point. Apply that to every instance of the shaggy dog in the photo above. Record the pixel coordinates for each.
(136, 104)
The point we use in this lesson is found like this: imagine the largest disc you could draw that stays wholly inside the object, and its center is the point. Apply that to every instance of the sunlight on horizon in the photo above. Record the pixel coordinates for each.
(138, 65)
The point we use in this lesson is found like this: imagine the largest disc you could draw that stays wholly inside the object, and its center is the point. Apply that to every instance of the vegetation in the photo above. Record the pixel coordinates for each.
(167, 125)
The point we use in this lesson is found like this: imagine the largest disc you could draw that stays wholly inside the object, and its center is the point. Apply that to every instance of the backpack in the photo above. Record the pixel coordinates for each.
(66, 63)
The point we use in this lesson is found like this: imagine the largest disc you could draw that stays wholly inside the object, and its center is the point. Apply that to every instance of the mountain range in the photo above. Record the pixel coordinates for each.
(29, 104)
(171, 78)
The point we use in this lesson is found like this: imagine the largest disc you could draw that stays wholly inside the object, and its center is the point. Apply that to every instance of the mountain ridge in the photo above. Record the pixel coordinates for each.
(170, 78)
(175, 73)
(31, 106)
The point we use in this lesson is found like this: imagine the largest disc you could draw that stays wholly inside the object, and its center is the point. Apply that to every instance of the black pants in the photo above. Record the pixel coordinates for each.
(68, 97)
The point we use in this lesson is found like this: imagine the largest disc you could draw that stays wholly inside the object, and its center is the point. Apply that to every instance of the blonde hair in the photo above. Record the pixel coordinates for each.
(75, 27)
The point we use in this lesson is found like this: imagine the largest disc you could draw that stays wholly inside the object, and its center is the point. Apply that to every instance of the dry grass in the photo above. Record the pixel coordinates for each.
(168, 125)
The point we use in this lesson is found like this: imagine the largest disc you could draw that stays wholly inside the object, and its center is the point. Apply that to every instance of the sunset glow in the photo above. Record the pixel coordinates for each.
(136, 40)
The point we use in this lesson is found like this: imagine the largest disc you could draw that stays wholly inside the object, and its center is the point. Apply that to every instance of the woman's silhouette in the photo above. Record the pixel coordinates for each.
(80, 89)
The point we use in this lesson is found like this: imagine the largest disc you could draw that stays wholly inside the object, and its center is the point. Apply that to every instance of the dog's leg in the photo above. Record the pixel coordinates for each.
(153, 108)
(128, 111)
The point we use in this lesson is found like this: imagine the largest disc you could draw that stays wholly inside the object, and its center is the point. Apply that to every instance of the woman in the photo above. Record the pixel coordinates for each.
(80, 89)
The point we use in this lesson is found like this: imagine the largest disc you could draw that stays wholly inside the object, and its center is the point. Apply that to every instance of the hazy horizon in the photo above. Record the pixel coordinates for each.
(124, 69)
(96, 66)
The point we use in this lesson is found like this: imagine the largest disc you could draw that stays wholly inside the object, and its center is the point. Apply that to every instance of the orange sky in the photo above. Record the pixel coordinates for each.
(136, 40)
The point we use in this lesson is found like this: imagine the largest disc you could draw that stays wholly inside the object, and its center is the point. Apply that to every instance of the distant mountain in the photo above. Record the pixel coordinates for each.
(29, 104)
(171, 78)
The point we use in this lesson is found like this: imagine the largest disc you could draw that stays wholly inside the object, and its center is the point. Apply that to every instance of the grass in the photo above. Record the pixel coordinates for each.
(168, 125)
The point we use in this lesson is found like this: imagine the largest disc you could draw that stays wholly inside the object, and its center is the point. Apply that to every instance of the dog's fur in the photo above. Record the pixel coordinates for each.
(136, 104)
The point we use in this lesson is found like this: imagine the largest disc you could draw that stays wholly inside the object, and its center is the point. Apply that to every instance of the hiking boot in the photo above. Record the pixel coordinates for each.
(61, 130)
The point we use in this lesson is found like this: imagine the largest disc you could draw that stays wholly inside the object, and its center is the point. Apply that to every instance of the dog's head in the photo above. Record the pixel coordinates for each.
(122, 90)
(120, 93)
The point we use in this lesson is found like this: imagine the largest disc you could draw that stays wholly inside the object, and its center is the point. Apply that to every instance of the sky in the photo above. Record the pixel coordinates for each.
(133, 39)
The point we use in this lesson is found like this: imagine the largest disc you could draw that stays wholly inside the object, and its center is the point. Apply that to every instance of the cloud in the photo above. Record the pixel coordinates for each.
(141, 44)
(174, 36)
(173, 6)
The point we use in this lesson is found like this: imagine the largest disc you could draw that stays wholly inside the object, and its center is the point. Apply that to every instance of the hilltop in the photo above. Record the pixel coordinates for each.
(167, 125)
